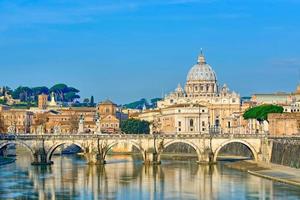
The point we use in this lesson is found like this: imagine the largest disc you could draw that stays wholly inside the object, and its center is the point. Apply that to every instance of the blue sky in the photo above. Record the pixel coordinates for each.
(126, 50)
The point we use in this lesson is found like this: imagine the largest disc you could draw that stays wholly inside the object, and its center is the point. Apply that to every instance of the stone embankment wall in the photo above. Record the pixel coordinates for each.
(286, 152)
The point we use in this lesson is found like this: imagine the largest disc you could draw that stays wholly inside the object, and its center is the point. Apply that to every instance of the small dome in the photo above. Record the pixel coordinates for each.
(201, 71)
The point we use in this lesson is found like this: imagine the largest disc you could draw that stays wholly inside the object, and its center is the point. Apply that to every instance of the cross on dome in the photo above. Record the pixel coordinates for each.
(201, 58)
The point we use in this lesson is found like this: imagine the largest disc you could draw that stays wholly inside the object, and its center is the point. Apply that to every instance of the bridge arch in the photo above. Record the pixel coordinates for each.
(111, 145)
(2, 145)
(55, 146)
(248, 145)
(167, 144)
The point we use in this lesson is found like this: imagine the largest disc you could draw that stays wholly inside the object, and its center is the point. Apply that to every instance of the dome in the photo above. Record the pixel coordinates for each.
(201, 71)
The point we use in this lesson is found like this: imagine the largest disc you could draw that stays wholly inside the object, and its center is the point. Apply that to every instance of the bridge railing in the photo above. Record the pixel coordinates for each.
(126, 136)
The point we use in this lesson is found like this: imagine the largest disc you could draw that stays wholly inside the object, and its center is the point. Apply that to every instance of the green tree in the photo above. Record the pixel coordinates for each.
(6, 90)
(39, 90)
(23, 93)
(135, 126)
(261, 112)
(92, 101)
(59, 90)
(70, 96)
(65, 93)
(86, 100)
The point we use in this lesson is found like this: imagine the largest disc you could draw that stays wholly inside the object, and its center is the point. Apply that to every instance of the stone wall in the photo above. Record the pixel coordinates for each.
(286, 152)
(284, 123)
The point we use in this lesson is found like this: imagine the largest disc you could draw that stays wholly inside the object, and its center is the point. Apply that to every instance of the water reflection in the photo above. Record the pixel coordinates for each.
(124, 178)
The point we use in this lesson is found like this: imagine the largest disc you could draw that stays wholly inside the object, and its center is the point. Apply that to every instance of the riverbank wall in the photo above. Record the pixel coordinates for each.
(286, 152)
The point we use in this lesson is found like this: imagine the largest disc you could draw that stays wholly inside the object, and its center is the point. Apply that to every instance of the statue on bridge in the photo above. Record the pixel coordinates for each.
(81, 124)
(11, 129)
(57, 130)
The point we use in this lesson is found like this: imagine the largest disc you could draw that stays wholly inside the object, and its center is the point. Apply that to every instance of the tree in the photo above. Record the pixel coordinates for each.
(59, 90)
(135, 126)
(71, 96)
(6, 90)
(23, 93)
(86, 100)
(65, 93)
(39, 90)
(92, 101)
(260, 113)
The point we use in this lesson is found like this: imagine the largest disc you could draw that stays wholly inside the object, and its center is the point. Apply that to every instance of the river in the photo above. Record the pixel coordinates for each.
(124, 177)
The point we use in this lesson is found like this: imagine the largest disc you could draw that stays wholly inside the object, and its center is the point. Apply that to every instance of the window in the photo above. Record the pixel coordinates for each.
(203, 111)
(191, 122)
(179, 111)
(203, 123)
(179, 129)
(228, 124)
(179, 123)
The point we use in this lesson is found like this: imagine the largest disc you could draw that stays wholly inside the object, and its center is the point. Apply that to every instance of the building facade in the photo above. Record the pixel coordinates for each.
(222, 108)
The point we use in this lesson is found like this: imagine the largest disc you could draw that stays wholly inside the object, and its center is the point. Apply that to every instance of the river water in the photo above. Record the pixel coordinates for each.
(127, 178)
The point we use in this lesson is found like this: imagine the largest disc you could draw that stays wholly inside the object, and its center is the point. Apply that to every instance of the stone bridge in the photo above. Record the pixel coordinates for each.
(96, 146)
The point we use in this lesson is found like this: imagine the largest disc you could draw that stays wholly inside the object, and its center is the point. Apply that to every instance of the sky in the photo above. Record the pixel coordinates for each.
(129, 49)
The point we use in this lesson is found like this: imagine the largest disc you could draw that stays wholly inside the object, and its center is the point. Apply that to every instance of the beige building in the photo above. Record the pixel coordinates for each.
(15, 120)
(222, 107)
(108, 120)
(279, 98)
(284, 123)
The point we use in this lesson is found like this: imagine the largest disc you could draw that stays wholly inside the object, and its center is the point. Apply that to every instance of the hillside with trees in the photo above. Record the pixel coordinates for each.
(28, 96)
(140, 104)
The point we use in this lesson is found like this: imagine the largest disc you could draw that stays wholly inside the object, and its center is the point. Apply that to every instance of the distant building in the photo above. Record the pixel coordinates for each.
(15, 120)
(42, 101)
(284, 123)
(222, 107)
(44, 104)
(279, 98)
(107, 111)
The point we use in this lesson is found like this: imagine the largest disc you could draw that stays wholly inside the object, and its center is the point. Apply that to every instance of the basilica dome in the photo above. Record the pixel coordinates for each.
(201, 71)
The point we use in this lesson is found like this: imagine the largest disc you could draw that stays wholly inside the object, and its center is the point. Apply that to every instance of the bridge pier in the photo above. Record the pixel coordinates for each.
(95, 159)
(151, 158)
(207, 158)
(40, 158)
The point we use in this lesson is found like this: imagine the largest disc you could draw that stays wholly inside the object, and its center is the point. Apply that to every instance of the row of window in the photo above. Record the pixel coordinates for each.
(191, 123)
(110, 125)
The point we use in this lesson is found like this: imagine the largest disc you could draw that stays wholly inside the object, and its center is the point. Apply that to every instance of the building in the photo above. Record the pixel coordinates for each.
(284, 123)
(222, 107)
(42, 101)
(107, 111)
(279, 98)
(15, 120)
(44, 104)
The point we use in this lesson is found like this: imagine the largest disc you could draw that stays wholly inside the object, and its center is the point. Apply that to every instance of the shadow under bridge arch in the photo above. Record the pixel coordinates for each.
(240, 144)
(184, 150)
(128, 143)
(26, 146)
(55, 146)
